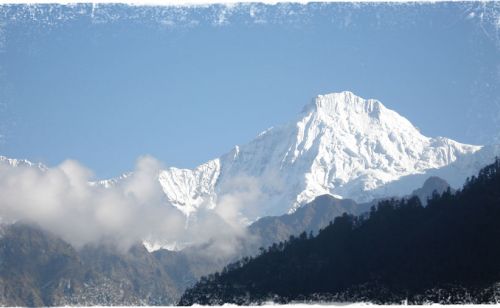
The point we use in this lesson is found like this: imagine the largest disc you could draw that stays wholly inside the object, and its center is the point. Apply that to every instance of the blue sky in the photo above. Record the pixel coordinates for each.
(106, 84)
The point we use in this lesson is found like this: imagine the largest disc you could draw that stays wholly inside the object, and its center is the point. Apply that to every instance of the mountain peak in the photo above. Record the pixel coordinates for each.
(345, 103)
(342, 97)
(350, 115)
(341, 144)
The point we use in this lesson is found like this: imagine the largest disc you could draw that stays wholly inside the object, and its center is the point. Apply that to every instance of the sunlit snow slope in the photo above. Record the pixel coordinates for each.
(340, 144)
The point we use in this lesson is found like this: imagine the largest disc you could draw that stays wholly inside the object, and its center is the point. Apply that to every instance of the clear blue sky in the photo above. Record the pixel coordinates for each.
(106, 84)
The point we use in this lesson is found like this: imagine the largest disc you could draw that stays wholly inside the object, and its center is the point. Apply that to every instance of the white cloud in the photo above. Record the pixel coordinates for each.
(63, 201)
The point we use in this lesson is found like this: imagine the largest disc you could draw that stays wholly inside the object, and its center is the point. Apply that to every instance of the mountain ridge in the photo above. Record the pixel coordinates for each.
(340, 144)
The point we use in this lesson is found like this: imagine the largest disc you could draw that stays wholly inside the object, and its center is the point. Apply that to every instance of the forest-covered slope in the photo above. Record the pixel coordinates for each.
(445, 252)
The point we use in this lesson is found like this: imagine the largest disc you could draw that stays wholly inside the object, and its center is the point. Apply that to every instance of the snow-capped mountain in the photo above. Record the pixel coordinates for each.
(340, 144)
(21, 162)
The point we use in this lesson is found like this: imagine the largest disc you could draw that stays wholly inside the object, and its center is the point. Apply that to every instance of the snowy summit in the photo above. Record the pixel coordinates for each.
(341, 144)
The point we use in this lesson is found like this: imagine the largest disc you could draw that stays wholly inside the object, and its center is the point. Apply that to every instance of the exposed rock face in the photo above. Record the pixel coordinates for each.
(39, 269)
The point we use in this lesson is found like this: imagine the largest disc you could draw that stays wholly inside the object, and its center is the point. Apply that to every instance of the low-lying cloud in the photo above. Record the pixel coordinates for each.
(65, 201)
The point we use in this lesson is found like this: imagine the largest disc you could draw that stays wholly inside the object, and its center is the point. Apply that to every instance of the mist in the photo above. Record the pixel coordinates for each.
(65, 201)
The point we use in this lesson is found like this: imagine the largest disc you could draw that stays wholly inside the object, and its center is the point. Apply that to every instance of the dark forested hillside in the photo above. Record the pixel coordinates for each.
(446, 252)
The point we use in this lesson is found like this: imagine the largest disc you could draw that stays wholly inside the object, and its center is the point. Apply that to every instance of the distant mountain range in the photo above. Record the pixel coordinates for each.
(343, 154)
(340, 144)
